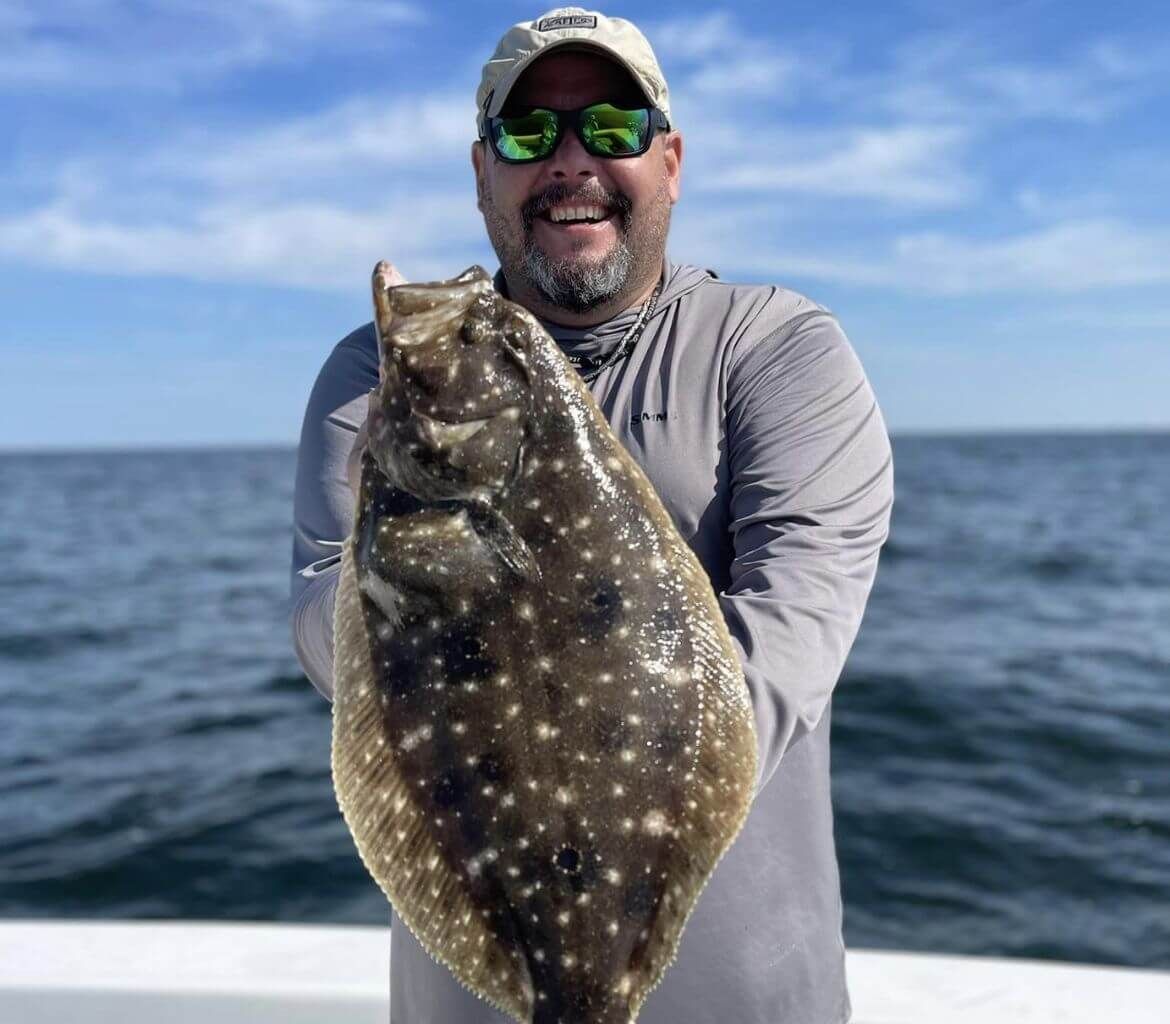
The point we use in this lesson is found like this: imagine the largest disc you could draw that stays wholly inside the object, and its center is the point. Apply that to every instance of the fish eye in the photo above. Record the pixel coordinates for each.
(568, 860)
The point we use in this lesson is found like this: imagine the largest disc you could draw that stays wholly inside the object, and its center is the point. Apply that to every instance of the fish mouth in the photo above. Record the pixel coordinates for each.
(443, 433)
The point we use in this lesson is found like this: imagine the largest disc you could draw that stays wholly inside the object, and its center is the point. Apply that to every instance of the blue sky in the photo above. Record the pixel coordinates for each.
(193, 193)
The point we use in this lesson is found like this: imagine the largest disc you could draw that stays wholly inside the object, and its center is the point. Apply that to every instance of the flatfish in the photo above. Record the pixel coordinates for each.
(542, 738)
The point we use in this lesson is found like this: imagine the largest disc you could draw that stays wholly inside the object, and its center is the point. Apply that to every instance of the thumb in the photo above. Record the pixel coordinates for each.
(353, 464)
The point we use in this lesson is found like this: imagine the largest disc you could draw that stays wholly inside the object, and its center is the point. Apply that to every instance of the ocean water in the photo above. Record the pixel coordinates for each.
(1001, 732)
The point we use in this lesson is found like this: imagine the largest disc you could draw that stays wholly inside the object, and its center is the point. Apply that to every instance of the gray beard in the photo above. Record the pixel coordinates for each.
(574, 286)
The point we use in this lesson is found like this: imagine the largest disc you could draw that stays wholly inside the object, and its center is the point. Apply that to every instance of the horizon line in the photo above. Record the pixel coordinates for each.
(907, 433)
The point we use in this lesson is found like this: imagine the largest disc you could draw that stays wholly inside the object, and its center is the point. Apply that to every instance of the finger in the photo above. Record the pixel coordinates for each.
(353, 463)
(391, 275)
(386, 276)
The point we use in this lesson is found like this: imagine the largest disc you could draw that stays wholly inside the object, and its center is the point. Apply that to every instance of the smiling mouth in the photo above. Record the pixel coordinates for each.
(577, 215)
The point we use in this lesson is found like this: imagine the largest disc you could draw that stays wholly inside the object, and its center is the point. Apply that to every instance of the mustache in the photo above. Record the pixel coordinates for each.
(619, 202)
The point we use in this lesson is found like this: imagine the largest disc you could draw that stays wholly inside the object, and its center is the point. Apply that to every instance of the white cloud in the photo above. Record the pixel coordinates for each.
(905, 164)
(694, 38)
(312, 200)
(712, 58)
(1134, 324)
(725, 96)
(311, 245)
(1072, 92)
(1051, 205)
(765, 75)
(959, 75)
(164, 44)
(963, 75)
(315, 198)
(360, 135)
(1065, 258)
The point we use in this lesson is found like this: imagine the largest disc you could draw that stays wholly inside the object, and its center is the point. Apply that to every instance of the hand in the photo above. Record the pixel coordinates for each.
(353, 465)
(387, 276)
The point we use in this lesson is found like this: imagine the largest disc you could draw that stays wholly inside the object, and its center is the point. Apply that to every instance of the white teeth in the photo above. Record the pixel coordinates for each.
(561, 213)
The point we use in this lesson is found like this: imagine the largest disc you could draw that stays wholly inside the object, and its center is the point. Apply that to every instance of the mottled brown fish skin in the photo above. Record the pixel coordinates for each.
(543, 742)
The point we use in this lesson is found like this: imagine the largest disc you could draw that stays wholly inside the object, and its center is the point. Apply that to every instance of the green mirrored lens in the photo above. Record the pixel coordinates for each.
(527, 137)
(611, 131)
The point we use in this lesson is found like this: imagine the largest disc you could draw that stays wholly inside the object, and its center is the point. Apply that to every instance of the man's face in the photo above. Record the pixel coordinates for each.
(579, 267)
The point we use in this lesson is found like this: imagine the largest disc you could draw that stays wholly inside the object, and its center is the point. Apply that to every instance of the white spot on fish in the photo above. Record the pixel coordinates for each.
(413, 738)
(384, 596)
(655, 823)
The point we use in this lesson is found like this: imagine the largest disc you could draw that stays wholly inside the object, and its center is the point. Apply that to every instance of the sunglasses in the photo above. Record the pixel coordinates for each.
(604, 130)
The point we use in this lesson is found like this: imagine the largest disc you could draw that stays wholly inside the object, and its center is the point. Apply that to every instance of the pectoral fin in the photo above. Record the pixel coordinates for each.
(507, 545)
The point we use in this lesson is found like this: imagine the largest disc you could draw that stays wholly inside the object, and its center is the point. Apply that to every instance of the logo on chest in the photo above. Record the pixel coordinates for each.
(650, 417)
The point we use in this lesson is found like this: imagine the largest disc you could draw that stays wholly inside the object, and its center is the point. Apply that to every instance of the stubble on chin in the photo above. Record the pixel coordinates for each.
(574, 282)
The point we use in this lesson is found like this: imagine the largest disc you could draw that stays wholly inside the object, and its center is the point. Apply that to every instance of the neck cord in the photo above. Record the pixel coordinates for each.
(591, 368)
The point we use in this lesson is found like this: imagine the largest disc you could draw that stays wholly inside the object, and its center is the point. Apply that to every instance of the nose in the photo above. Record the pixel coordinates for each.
(571, 160)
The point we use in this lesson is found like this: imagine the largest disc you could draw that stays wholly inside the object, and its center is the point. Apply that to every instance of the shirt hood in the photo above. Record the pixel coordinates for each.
(600, 339)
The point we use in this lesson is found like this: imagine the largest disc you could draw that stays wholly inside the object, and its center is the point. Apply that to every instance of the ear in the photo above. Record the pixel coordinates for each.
(672, 154)
(477, 163)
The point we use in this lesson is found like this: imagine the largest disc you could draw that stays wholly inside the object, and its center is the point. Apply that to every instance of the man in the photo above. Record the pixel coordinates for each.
(751, 415)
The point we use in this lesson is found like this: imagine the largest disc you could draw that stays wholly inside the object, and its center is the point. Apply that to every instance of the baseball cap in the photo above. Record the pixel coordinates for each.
(569, 28)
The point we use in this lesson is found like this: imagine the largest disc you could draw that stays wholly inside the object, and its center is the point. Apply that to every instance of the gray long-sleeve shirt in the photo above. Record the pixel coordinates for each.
(750, 413)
